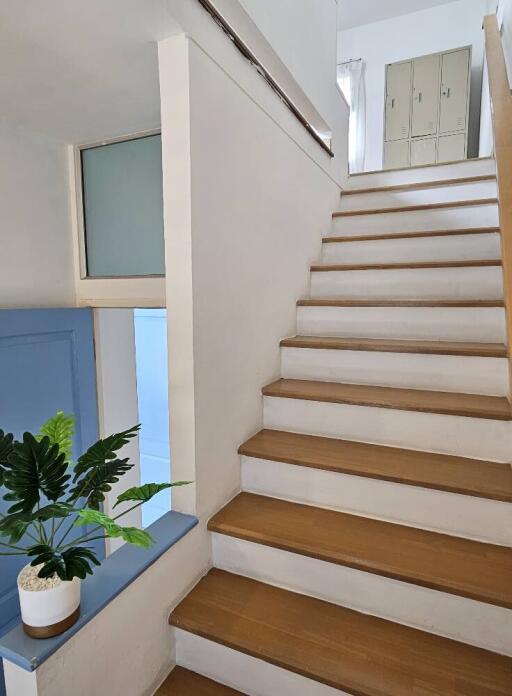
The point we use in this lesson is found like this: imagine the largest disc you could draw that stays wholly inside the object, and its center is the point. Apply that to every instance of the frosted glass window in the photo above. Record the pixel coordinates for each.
(123, 209)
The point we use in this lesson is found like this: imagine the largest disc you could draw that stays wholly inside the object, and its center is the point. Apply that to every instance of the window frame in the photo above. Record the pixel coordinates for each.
(110, 291)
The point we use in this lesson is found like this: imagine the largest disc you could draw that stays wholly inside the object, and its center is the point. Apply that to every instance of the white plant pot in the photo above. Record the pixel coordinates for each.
(49, 612)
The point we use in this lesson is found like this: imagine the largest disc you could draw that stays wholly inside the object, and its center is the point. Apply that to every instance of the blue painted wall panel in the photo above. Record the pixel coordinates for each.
(46, 364)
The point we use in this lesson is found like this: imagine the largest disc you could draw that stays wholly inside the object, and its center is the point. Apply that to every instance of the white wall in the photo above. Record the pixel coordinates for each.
(36, 256)
(437, 29)
(237, 256)
(301, 33)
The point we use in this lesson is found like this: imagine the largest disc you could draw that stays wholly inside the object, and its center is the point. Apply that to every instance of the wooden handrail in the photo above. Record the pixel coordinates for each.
(501, 109)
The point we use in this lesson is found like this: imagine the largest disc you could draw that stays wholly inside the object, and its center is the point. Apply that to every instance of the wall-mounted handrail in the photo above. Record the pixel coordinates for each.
(249, 55)
(501, 110)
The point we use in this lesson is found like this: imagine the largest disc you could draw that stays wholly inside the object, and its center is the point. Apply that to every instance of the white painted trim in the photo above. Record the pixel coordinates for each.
(449, 218)
(121, 292)
(19, 682)
(434, 510)
(249, 675)
(443, 248)
(479, 438)
(466, 620)
(481, 324)
(463, 374)
(174, 67)
(449, 283)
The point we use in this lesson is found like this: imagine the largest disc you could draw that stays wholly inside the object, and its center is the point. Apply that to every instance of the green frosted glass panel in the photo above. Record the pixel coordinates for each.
(123, 209)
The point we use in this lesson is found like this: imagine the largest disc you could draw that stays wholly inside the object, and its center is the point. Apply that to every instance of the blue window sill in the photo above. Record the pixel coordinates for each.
(115, 574)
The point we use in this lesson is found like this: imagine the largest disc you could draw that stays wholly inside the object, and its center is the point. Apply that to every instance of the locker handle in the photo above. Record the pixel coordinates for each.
(446, 93)
(419, 97)
(393, 103)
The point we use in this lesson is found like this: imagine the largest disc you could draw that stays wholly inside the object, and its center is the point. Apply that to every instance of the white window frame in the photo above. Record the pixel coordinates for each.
(117, 291)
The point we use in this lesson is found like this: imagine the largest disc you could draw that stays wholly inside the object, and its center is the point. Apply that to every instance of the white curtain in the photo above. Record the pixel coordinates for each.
(351, 81)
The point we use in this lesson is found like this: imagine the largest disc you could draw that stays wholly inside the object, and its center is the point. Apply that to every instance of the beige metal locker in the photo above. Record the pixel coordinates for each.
(426, 103)
(398, 101)
(423, 151)
(425, 95)
(454, 91)
(396, 154)
(451, 148)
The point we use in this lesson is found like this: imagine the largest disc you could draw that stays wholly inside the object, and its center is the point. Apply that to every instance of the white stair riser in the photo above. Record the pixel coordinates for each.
(437, 612)
(247, 674)
(484, 324)
(469, 283)
(415, 175)
(461, 247)
(437, 194)
(463, 217)
(470, 375)
(450, 513)
(479, 438)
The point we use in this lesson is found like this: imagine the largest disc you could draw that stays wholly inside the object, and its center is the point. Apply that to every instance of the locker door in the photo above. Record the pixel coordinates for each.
(425, 95)
(396, 154)
(398, 101)
(423, 151)
(452, 148)
(454, 91)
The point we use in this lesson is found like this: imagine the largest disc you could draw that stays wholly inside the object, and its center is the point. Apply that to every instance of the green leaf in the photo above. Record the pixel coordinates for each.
(137, 537)
(88, 516)
(53, 511)
(6, 445)
(97, 481)
(34, 469)
(74, 562)
(60, 430)
(14, 527)
(132, 535)
(103, 450)
(98, 468)
(147, 491)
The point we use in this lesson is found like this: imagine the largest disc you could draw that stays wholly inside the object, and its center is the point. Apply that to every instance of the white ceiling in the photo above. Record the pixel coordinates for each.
(352, 13)
(81, 70)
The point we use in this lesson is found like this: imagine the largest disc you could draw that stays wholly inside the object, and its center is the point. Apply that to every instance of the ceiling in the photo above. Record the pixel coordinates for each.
(81, 70)
(352, 13)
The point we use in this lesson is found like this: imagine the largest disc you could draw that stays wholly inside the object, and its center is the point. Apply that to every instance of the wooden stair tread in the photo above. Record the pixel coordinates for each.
(460, 181)
(450, 564)
(319, 268)
(448, 403)
(413, 208)
(375, 302)
(183, 682)
(357, 653)
(383, 345)
(409, 235)
(442, 472)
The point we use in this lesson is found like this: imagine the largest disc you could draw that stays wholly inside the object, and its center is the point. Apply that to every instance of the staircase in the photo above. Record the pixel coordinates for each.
(369, 551)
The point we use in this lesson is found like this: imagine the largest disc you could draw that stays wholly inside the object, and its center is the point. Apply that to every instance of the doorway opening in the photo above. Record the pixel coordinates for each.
(153, 406)
(133, 385)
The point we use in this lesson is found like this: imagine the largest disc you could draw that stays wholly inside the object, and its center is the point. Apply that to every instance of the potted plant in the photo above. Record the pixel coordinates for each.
(52, 497)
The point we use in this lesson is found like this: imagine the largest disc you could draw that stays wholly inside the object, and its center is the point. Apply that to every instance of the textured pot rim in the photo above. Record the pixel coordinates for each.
(62, 585)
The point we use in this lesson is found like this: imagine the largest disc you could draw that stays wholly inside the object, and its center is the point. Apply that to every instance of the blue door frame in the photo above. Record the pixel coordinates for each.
(46, 364)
